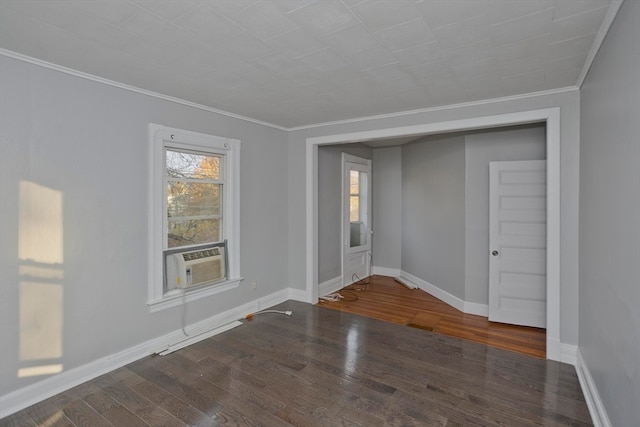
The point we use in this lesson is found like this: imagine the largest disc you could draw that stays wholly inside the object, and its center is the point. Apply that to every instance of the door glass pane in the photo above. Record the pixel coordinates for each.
(358, 208)
(354, 208)
(358, 236)
(354, 182)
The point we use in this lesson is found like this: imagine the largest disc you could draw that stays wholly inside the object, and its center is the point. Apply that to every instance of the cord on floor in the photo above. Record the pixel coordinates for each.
(251, 315)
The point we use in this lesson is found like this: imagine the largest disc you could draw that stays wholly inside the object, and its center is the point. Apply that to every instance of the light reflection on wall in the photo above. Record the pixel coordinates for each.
(40, 250)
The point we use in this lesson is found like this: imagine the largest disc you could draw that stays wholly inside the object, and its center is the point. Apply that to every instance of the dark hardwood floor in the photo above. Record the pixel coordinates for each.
(385, 299)
(323, 367)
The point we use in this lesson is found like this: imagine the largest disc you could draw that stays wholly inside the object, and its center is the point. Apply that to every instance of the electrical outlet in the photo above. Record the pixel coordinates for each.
(254, 285)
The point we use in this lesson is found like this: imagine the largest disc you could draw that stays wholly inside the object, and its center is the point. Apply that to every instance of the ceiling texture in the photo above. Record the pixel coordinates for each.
(295, 63)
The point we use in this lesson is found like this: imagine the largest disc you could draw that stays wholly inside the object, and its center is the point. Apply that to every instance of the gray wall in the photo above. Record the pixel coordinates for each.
(610, 219)
(433, 184)
(517, 143)
(86, 144)
(433, 235)
(387, 207)
(568, 104)
(330, 205)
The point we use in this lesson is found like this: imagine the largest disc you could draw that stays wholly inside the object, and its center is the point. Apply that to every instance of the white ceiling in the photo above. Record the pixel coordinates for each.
(294, 63)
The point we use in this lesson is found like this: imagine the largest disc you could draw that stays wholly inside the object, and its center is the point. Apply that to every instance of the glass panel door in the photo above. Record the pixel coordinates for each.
(356, 222)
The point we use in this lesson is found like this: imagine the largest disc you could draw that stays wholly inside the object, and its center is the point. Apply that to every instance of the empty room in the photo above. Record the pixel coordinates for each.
(187, 187)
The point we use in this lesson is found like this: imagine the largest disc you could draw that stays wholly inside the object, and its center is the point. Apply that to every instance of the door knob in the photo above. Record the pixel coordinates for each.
(494, 253)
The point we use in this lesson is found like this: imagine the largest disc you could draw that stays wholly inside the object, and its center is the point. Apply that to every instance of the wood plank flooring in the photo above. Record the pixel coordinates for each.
(385, 299)
(323, 367)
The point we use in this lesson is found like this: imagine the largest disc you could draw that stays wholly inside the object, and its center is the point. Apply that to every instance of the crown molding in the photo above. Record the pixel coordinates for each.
(614, 8)
(39, 62)
(81, 74)
(440, 108)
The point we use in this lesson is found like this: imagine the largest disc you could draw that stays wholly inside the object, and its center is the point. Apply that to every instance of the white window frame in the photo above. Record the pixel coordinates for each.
(161, 137)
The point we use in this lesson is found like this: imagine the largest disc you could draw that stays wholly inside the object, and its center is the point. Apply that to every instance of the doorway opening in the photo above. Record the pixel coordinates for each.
(550, 116)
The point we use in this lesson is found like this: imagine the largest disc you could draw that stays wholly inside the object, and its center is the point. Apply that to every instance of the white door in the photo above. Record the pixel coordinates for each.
(356, 218)
(517, 240)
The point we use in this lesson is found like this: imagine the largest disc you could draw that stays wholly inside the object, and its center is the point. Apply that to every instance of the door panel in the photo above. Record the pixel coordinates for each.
(356, 267)
(517, 267)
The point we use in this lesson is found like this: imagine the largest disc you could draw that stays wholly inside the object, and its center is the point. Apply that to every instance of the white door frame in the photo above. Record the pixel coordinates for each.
(550, 116)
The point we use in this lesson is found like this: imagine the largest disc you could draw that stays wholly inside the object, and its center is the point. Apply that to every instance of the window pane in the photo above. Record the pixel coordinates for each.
(191, 165)
(354, 208)
(193, 199)
(193, 232)
(354, 182)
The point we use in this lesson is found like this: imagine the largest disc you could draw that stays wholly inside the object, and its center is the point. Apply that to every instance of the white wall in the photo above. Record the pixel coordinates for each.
(74, 153)
(387, 207)
(516, 143)
(433, 211)
(567, 102)
(610, 219)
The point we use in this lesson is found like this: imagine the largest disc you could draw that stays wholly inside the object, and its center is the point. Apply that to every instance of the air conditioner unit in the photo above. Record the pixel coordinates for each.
(189, 269)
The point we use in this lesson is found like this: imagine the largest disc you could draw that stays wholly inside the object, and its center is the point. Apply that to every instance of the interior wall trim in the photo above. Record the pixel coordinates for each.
(435, 291)
(455, 302)
(384, 271)
(568, 354)
(594, 402)
(441, 108)
(595, 47)
(37, 392)
(102, 80)
(614, 8)
(330, 286)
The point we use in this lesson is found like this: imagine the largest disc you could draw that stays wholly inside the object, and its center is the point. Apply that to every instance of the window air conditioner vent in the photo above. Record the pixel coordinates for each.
(190, 269)
(190, 256)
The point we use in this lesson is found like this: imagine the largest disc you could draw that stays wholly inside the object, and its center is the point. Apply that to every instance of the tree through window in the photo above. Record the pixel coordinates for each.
(194, 197)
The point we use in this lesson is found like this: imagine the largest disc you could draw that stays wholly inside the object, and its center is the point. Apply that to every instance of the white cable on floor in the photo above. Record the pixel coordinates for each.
(250, 316)
(336, 296)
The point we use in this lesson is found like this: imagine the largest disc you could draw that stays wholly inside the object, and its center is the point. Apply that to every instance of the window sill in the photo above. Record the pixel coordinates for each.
(176, 297)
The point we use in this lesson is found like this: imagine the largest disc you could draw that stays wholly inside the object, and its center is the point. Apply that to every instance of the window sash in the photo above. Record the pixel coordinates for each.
(217, 211)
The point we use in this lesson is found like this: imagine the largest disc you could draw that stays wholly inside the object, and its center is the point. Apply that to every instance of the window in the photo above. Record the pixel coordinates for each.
(194, 202)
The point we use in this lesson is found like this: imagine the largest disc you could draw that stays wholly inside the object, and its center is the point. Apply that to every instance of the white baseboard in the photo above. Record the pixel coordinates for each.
(476, 308)
(452, 300)
(19, 399)
(298, 295)
(554, 349)
(596, 407)
(384, 271)
(330, 286)
(568, 354)
(445, 296)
